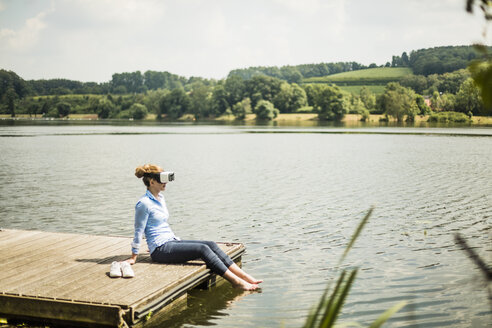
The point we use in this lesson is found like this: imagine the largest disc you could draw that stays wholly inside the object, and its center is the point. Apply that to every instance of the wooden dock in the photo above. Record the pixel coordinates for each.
(64, 278)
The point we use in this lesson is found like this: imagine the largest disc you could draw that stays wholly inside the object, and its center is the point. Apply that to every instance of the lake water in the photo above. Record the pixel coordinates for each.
(293, 196)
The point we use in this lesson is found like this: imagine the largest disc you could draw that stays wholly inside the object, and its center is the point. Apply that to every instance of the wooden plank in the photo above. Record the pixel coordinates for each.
(54, 259)
(92, 276)
(57, 265)
(38, 256)
(27, 307)
(52, 285)
(31, 246)
(7, 236)
(22, 243)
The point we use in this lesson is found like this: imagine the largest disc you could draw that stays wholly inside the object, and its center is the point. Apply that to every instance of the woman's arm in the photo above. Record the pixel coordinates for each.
(132, 259)
(141, 217)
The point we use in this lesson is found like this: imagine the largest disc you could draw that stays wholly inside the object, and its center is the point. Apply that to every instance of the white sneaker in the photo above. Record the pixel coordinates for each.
(127, 270)
(115, 270)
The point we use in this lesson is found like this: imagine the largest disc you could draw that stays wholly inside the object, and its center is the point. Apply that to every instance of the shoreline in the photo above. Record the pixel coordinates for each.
(282, 119)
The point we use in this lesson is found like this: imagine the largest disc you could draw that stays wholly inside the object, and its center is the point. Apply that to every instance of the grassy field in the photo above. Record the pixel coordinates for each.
(368, 75)
(69, 96)
(373, 78)
(355, 89)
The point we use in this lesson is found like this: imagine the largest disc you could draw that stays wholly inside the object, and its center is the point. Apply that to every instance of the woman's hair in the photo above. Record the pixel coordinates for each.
(147, 168)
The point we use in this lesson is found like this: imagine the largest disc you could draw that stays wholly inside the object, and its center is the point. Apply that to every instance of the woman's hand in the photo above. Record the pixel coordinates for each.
(132, 260)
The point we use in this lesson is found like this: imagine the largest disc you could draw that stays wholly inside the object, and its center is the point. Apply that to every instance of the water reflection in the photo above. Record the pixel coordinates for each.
(281, 123)
(202, 308)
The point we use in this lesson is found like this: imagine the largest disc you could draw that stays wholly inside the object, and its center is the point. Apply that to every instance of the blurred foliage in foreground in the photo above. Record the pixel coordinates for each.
(481, 69)
(331, 303)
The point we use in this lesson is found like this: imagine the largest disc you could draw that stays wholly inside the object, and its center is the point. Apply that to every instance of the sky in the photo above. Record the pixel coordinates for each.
(90, 40)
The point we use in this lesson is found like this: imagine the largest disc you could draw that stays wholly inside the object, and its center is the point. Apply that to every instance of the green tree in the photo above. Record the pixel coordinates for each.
(120, 89)
(103, 107)
(265, 110)
(417, 82)
(399, 101)
(481, 72)
(32, 109)
(262, 87)
(9, 98)
(234, 87)
(290, 98)
(291, 74)
(133, 82)
(219, 101)
(440, 60)
(328, 103)
(241, 109)
(468, 99)
(396, 61)
(45, 108)
(13, 84)
(423, 108)
(200, 101)
(63, 109)
(175, 104)
(153, 99)
(404, 59)
(451, 82)
(356, 106)
(447, 102)
(154, 80)
(481, 69)
(367, 98)
(138, 111)
(436, 102)
(432, 84)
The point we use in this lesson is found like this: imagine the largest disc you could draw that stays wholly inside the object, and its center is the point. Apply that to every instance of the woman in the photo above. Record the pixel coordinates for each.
(151, 216)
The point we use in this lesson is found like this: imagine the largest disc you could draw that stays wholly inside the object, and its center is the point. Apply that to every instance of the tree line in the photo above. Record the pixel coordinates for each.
(438, 60)
(261, 95)
(253, 91)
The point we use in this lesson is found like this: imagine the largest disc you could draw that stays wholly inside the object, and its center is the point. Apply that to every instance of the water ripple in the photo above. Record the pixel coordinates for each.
(294, 199)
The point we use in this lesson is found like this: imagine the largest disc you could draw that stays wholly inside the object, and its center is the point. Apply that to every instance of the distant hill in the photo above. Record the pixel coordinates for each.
(441, 60)
(294, 74)
(436, 60)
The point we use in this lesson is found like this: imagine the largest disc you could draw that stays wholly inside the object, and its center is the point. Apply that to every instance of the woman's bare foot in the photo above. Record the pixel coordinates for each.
(243, 275)
(252, 280)
(246, 286)
(239, 282)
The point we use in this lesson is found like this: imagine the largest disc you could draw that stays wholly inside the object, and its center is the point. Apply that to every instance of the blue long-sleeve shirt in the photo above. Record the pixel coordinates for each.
(151, 217)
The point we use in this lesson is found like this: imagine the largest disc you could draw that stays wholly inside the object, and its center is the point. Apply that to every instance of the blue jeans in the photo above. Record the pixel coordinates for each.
(181, 251)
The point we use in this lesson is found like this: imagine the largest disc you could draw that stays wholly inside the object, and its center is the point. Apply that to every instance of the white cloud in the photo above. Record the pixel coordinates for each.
(301, 7)
(92, 39)
(26, 37)
(110, 13)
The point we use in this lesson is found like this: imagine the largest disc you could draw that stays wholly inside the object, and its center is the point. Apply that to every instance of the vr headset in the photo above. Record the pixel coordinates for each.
(163, 177)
